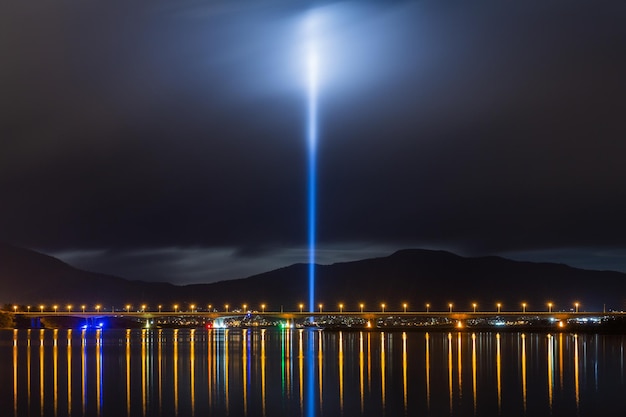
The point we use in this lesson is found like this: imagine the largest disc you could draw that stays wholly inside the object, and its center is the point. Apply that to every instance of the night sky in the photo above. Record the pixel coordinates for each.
(166, 140)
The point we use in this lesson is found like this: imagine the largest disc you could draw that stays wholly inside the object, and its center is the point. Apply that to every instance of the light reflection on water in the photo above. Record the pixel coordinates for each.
(251, 372)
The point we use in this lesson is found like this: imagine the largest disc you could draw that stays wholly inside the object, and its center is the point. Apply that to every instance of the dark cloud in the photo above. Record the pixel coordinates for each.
(170, 136)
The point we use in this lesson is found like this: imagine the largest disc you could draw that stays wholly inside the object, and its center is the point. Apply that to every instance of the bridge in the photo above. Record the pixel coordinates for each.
(301, 315)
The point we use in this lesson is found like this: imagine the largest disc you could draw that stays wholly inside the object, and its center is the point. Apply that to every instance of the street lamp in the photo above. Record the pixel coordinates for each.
(41, 308)
(98, 308)
(128, 308)
(263, 308)
(245, 308)
(383, 307)
(193, 306)
(362, 306)
(404, 306)
(301, 307)
(523, 307)
(226, 307)
(175, 308)
(427, 307)
(143, 308)
(549, 307)
(160, 307)
(28, 308)
(15, 309)
(450, 306)
(576, 304)
(210, 307)
(82, 308)
(55, 308)
(320, 308)
(341, 308)
(474, 305)
(69, 308)
(499, 305)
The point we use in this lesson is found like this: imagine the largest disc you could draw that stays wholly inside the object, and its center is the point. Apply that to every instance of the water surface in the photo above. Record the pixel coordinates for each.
(291, 372)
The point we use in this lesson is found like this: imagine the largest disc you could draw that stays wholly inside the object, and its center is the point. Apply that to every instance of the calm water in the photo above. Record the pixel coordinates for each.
(308, 373)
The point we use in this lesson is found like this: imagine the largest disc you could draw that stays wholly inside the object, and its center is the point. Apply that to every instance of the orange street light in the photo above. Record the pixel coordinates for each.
(321, 308)
(450, 306)
(15, 309)
(404, 306)
(69, 308)
(499, 305)
(549, 307)
(362, 306)
(83, 308)
(474, 305)
(427, 307)
(263, 308)
(301, 307)
(341, 308)
(41, 308)
(55, 308)
(98, 308)
(576, 304)
(175, 308)
(226, 307)
(383, 307)
(523, 307)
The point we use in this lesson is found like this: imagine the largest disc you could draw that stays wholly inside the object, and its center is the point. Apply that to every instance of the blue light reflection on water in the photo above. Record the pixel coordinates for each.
(307, 372)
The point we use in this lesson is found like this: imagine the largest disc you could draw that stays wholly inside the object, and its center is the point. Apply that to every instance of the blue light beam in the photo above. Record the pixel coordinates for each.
(312, 68)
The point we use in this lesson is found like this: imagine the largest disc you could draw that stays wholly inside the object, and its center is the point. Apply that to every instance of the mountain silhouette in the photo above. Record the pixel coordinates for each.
(412, 276)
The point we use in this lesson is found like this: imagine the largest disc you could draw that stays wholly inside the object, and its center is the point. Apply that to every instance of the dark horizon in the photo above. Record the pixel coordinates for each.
(415, 277)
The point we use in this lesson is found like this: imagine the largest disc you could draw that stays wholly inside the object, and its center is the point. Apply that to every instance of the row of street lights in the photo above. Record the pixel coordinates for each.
(194, 308)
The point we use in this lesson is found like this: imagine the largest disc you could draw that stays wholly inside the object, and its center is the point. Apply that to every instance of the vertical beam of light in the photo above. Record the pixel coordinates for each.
(312, 67)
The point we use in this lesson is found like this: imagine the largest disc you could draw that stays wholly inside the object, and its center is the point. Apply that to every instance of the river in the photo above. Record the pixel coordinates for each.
(293, 372)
